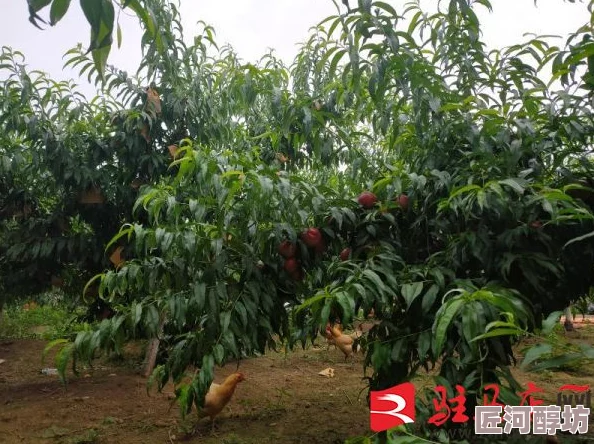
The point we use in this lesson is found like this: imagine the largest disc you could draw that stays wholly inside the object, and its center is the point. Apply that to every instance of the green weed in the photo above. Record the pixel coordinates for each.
(48, 319)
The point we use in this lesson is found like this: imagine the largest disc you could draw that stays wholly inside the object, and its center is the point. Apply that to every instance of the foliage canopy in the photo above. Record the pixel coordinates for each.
(228, 159)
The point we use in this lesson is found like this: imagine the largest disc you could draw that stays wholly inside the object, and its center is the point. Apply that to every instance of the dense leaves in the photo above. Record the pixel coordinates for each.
(70, 176)
(101, 16)
(477, 220)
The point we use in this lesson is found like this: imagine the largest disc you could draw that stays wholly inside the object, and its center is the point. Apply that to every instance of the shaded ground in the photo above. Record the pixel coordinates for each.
(284, 400)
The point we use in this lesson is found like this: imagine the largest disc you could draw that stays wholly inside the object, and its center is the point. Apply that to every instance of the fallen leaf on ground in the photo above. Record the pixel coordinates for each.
(328, 372)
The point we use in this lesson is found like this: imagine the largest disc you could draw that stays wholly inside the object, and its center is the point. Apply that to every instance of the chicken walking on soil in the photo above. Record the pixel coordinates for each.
(218, 397)
(328, 335)
(340, 340)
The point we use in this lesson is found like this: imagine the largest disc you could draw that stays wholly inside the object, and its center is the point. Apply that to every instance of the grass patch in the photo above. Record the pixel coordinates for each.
(89, 437)
(44, 317)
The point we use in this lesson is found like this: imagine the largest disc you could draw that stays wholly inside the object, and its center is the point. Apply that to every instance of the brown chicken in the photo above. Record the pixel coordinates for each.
(219, 395)
(328, 334)
(340, 340)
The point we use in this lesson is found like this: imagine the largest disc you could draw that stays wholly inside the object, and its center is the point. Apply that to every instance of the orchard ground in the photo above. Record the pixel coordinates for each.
(283, 399)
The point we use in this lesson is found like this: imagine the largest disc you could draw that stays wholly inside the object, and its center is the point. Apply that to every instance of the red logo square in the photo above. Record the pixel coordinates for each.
(392, 407)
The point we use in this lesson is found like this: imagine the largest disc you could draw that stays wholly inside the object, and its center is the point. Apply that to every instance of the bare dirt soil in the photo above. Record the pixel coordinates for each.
(283, 400)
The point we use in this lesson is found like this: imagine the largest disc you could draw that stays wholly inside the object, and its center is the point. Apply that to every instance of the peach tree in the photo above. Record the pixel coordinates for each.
(475, 221)
(71, 171)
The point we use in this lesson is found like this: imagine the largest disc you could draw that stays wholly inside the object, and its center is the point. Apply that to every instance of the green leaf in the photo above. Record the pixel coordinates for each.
(429, 298)
(58, 10)
(464, 189)
(38, 5)
(225, 319)
(373, 276)
(411, 291)
(424, 344)
(62, 358)
(199, 295)
(119, 36)
(93, 279)
(347, 304)
(397, 349)
(518, 185)
(535, 353)
(51, 345)
(470, 321)
(126, 230)
(499, 332)
(587, 350)
(386, 7)
(93, 10)
(185, 397)
(325, 313)
(579, 239)
(308, 302)
(335, 60)
(218, 353)
(147, 19)
(242, 312)
(205, 377)
(101, 16)
(557, 362)
(136, 312)
(551, 321)
(443, 319)
(100, 57)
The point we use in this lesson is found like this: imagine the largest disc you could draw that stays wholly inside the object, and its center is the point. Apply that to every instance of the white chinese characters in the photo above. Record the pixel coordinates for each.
(545, 420)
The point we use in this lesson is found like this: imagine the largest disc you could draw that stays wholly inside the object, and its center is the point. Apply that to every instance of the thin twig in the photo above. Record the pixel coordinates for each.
(347, 396)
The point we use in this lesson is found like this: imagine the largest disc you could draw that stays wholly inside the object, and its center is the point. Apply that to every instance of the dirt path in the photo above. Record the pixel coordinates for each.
(282, 401)
(580, 320)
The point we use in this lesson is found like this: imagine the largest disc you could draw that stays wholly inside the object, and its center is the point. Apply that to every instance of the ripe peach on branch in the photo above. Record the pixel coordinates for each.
(311, 237)
(345, 254)
(287, 249)
(403, 201)
(367, 199)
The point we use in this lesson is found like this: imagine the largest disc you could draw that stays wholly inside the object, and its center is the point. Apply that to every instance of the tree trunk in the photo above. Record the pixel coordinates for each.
(153, 350)
(568, 319)
(1, 309)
